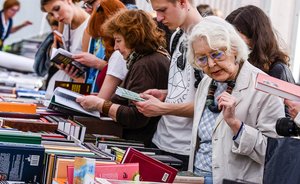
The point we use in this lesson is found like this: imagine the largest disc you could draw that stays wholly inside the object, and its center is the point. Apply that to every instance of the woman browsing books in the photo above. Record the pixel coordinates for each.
(74, 20)
(232, 120)
(137, 38)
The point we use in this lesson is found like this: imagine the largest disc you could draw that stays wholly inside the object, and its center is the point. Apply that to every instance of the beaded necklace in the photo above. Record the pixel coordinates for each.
(210, 99)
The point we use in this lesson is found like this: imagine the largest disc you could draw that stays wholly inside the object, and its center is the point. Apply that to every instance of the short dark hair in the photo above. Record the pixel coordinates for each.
(128, 1)
(44, 2)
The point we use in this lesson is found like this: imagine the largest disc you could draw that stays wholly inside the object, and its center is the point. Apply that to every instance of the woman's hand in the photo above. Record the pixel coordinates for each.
(89, 60)
(72, 72)
(294, 107)
(91, 102)
(227, 103)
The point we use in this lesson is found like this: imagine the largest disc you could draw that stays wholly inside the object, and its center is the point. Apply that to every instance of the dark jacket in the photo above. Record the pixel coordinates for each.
(3, 37)
(149, 72)
(42, 58)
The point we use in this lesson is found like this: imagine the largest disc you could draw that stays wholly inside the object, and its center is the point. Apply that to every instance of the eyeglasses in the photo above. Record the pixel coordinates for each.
(216, 55)
(88, 4)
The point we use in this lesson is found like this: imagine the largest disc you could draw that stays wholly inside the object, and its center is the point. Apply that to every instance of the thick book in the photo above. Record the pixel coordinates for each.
(32, 125)
(61, 56)
(20, 137)
(84, 171)
(81, 88)
(99, 126)
(64, 100)
(129, 171)
(18, 107)
(22, 162)
(277, 87)
(150, 168)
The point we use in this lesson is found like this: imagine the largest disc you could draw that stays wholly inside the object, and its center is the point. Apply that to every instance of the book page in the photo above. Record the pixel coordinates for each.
(74, 105)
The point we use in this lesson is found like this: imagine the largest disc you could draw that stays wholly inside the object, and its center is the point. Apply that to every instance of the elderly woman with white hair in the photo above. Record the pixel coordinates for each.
(232, 120)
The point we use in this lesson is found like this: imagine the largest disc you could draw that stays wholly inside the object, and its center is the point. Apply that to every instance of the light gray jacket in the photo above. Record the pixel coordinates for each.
(259, 112)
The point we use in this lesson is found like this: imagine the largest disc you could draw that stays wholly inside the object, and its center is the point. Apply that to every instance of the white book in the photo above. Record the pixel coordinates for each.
(64, 99)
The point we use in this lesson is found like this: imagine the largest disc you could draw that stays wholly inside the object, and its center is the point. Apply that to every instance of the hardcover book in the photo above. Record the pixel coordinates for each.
(64, 100)
(17, 107)
(22, 162)
(129, 171)
(84, 170)
(277, 87)
(32, 125)
(81, 88)
(150, 168)
(61, 56)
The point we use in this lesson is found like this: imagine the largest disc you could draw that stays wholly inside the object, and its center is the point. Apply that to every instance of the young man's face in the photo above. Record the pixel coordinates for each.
(170, 14)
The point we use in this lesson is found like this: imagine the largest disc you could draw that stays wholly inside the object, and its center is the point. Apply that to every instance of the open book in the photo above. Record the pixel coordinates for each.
(125, 93)
(277, 87)
(61, 56)
(64, 100)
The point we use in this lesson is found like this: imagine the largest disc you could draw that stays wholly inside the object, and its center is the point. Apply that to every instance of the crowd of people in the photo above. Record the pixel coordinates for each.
(198, 85)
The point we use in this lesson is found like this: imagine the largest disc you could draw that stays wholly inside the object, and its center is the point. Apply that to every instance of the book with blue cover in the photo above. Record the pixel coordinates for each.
(21, 162)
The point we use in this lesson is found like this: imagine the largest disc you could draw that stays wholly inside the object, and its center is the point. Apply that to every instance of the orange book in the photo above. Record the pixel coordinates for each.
(277, 87)
(17, 107)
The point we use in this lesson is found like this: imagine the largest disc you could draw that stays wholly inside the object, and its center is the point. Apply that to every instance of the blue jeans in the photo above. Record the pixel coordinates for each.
(207, 176)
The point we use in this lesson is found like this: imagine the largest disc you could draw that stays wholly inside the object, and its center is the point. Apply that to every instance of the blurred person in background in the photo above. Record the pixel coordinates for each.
(10, 8)
(205, 10)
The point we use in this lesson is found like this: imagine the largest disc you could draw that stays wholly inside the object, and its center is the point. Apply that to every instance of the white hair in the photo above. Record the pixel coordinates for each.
(219, 34)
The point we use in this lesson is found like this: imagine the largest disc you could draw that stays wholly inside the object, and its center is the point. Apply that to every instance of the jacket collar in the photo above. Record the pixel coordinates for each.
(242, 83)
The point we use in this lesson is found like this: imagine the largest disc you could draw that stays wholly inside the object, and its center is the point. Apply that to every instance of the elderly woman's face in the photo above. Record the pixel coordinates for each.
(120, 45)
(215, 63)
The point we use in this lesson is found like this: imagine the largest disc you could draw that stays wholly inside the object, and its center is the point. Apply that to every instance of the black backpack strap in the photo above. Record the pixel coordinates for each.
(198, 73)
(175, 41)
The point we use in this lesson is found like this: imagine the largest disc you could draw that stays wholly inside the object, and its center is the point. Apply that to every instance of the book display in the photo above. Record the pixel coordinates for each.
(63, 143)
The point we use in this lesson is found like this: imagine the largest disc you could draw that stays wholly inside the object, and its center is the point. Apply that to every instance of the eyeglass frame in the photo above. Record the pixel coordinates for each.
(214, 58)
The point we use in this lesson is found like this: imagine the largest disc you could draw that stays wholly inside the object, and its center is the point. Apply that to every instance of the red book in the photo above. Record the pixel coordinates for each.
(150, 169)
(128, 171)
(277, 87)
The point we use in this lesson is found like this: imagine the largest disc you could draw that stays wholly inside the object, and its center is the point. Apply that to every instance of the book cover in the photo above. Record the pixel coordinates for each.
(125, 93)
(18, 107)
(98, 126)
(61, 56)
(20, 137)
(64, 99)
(22, 162)
(129, 171)
(277, 87)
(84, 170)
(32, 125)
(81, 88)
(150, 168)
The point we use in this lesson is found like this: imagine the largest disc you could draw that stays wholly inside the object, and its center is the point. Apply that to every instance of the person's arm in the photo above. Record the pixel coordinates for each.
(109, 87)
(90, 60)
(18, 27)
(155, 107)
